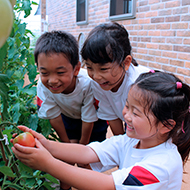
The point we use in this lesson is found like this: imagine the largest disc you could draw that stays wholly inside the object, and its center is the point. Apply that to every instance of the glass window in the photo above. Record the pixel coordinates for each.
(81, 12)
(122, 9)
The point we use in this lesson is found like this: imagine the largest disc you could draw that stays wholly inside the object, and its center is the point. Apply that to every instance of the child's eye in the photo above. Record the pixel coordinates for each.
(43, 73)
(60, 73)
(104, 69)
(89, 68)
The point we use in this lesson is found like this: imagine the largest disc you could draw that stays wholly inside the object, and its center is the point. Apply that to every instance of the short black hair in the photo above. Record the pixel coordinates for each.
(58, 42)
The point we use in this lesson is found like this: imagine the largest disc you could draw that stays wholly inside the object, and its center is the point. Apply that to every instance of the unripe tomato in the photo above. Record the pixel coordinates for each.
(12, 2)
(25, 139)
(6, 20)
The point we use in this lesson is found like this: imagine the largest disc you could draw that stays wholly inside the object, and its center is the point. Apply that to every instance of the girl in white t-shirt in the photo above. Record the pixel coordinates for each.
(107, 56)
(150, 156)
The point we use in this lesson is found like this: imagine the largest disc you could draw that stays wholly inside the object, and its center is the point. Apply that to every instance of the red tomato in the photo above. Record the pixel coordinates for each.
(25, 139)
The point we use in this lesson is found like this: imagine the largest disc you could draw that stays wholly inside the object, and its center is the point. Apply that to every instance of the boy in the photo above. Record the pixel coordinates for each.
(64, 94)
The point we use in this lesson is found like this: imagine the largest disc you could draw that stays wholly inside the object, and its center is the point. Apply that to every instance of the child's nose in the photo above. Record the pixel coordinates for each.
(53, 80)
(96, 75)
(127, 116)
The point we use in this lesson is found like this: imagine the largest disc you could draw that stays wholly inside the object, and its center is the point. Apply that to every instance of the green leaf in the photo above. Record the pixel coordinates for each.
(5, 114)
(10, 184)
(45, 127)
(48, 185)
(16, 113)
(19, 84)
(29, 91)
(3, 53)
(7, 171)
(34, 3)
(28, 182)
(51, 178)
(33, 120)
(32, 69)
(25, 169)
(26, 6)
(21, 29)
(4, 78)
(4, 89)
(11, 52)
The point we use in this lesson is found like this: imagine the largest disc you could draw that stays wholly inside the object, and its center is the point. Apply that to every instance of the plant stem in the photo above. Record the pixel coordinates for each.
(10, 156)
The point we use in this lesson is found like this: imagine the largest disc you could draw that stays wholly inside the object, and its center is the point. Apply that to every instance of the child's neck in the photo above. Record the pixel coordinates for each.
(142, 145)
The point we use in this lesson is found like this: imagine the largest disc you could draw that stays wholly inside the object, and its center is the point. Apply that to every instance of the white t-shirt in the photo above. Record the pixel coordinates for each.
(157, 168)
(77, 105)
(111, 103)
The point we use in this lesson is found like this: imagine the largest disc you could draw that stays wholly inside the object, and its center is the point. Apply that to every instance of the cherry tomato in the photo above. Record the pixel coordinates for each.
(6, 20)
(25, 139)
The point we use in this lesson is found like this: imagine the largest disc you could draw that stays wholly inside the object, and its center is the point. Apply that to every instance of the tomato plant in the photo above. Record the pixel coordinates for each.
(25, 139)
(6, 20)
(17, 104)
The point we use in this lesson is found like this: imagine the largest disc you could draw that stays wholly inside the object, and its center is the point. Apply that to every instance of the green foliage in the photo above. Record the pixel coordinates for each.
(18, 104)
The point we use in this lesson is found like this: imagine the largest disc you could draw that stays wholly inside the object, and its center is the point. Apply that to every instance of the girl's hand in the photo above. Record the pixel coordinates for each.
(36, 135)
(37, 158)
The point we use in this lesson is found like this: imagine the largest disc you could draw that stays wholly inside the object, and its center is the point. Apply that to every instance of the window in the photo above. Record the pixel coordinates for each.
(122, 9)
(81, 12)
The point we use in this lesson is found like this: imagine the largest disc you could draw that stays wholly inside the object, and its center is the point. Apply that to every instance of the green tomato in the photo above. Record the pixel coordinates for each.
(12, 2)
(6, 21)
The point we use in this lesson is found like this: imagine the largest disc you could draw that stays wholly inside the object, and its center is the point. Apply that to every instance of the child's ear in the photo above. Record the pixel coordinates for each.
(127, 62)
(168, 126)
(77, 68)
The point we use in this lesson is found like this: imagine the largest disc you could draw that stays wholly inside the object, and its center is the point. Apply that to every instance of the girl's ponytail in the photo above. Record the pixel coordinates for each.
(182, 137)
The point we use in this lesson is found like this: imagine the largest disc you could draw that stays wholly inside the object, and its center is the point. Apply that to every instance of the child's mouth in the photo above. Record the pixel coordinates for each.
(54, 88)
(130, 128)
(104, 84)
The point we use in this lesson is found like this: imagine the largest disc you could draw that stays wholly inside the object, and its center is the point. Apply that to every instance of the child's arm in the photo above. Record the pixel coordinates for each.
(58, 125)
(117, 126)
(86, 132)
(39, 158)
(68, 152)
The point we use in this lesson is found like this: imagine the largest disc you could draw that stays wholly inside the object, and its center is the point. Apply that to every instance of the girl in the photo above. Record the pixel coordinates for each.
(107, 55)
(150, 155)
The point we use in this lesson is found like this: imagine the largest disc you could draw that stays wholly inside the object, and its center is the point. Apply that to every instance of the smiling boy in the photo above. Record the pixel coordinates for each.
(64, 94)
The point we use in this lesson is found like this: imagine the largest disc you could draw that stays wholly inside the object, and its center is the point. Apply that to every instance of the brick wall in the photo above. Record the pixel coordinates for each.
(160, 34)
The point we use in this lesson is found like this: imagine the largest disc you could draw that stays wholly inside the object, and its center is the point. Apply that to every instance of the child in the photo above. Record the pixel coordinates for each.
(107, 55)
(64, 94)
(150, 155)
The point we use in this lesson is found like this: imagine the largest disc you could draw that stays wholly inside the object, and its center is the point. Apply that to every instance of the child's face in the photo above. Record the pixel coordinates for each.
(57, 73)
(108, 76)
(139, 125)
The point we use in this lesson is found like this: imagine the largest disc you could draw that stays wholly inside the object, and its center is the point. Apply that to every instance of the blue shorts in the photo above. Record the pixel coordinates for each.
(73, 128)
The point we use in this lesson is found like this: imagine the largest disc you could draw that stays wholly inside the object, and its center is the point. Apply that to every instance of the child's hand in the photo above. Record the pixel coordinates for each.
(36, 135)
(36, 158)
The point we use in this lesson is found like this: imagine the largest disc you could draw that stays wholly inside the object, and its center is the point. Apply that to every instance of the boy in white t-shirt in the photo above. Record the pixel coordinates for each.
(64, 94)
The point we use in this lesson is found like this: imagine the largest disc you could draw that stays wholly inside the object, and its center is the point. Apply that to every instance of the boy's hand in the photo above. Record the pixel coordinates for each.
(36, 158)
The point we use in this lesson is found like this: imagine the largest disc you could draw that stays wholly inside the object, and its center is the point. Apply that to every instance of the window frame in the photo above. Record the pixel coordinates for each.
(86, 13)
(125, 16)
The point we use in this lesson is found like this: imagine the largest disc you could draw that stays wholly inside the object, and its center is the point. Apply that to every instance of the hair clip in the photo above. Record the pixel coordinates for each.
(178, 85)
(152, 71)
